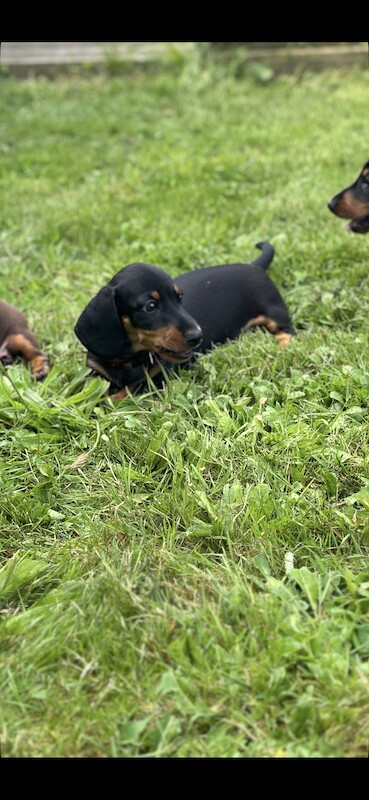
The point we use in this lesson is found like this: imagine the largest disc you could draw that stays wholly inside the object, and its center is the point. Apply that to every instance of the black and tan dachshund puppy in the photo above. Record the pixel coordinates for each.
(353, 203)
(16, 339)
(143, 320)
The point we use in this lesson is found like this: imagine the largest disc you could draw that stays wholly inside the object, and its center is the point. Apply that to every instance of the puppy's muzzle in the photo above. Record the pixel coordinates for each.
(194, 337)
(332, 205)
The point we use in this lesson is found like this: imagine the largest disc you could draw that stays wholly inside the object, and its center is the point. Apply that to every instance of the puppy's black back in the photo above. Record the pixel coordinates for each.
(224, 298)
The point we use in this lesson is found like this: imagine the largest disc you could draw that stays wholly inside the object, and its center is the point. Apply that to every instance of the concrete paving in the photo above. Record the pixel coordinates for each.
(31, 58)
(39, 56)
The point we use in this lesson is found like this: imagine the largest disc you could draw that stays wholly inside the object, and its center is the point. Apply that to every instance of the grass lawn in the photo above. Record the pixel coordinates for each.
(185, 573)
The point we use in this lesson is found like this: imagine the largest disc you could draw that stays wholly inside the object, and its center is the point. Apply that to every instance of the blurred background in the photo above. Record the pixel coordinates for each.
(30, 58)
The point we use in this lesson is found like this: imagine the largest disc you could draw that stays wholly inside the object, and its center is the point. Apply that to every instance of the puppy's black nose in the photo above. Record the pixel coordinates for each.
(331, 205)
(194, 337)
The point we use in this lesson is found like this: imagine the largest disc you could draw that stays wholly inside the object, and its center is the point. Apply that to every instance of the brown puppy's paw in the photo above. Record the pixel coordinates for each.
(39, 367)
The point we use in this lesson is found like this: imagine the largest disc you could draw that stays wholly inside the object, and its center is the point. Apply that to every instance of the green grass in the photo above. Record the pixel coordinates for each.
(185, 573)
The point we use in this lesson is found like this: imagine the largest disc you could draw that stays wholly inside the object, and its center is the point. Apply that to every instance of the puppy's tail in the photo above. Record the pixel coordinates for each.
(266, 255)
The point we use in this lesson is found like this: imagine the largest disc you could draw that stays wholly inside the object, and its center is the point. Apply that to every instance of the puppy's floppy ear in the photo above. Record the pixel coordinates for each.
(99, 327)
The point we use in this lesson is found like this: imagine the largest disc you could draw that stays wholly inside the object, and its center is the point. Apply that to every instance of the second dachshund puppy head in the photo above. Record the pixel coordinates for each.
(139, 309)
(353, 203)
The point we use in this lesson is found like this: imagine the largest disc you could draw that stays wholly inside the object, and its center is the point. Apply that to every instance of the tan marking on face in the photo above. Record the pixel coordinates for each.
(365, 171)
(349, 208)
(134, 335)
(177, 291)
(158, 341)
(154, 294)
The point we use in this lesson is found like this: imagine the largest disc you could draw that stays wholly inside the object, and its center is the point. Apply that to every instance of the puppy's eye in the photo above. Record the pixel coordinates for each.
(151, 306)
(180, 297)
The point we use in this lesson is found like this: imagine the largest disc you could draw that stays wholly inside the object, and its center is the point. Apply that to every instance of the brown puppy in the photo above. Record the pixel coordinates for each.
(16, 339)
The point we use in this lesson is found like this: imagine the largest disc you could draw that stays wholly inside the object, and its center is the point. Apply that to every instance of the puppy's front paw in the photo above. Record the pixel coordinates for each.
(39, 367)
